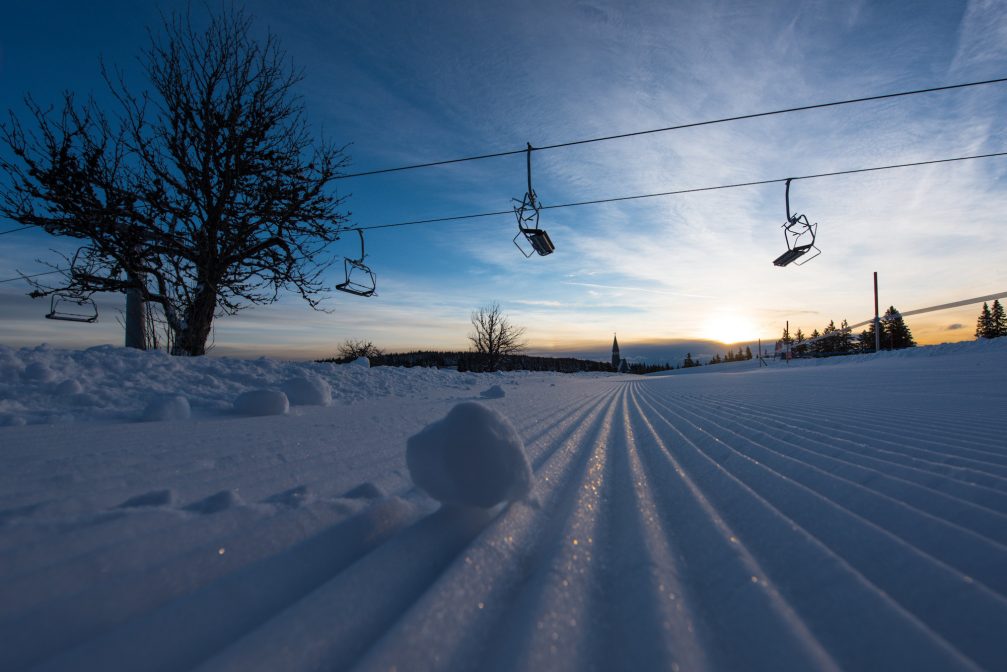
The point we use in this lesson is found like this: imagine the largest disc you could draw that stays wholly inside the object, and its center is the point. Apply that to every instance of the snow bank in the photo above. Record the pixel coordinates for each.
(44, 385)
(471, 457)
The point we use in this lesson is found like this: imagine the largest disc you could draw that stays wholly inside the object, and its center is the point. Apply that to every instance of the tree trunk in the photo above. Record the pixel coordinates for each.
(191, 337)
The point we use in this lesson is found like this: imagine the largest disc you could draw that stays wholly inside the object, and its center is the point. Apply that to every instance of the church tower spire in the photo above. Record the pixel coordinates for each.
(616, 359)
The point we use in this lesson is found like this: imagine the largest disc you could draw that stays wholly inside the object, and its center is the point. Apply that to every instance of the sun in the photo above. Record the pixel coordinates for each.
(730, 328)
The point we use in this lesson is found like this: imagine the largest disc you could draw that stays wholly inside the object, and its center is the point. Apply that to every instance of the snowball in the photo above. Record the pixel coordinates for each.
(38, 371)
(471, 457)
(305, 391)
(174, 407)
(495, 392)
(262, 402)
(362, 361)
(69, 386)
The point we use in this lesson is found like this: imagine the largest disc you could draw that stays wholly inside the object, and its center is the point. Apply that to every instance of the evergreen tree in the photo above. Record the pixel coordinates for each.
(800, 347)
(998, 321)
(895, 333)
(688, 361)
(984, 325)
(867, 340)
(844, 340)
(748, 352)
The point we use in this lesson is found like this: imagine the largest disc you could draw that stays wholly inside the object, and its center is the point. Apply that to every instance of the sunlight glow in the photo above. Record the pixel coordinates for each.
(730, 328)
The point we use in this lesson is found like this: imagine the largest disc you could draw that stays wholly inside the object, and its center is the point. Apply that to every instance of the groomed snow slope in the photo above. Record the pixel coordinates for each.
(846, 513)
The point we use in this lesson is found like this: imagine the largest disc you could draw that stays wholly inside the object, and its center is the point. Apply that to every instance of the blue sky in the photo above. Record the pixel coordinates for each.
(409, 82)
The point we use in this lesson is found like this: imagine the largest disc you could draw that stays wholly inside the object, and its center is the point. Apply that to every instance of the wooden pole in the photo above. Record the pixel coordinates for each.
(877, 320)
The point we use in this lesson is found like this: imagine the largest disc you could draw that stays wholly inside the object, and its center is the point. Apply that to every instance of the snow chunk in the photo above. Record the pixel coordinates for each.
(308, 391)
(366, 490)
(38, 371)
(152, 498)
(174, 407)
(495, 392)
(471, 457)
(225, 499)
(362, 361)
(69, 386)
(262, 402)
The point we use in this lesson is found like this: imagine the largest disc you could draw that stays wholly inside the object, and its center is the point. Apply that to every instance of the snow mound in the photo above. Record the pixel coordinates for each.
(262, 402)
(361, 361)
(39, 372)
(495, 392)
(308, 391)
(225, 499)
(366, 490)
(69, 386)
(173, 407)
(296, 496)
(152, 498)
(471, 457)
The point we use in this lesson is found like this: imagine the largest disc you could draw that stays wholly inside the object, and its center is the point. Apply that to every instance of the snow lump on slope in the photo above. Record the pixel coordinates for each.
(262, 402)
(472, 457)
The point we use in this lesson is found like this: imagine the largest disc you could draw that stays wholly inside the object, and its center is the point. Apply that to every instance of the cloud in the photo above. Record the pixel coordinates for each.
(954, 327)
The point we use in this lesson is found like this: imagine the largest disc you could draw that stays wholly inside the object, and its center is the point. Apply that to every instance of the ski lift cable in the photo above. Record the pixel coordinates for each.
(20, 228)
(600, 201)
(36, 275)
(709, 122)
(693, 190)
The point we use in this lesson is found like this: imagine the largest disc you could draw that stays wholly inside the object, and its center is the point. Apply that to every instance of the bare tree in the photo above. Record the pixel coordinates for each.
(353, 348)
(494, 338)
(207, 194)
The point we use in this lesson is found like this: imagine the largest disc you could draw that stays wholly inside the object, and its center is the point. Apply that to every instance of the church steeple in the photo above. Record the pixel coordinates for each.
(616, 359)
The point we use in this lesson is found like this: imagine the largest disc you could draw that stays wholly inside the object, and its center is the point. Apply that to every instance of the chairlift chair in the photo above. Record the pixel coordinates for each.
(527, 222)
(799, 236)
(72, 309)
(360, 280)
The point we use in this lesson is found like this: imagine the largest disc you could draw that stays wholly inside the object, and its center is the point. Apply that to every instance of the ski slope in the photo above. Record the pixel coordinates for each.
(848, 513)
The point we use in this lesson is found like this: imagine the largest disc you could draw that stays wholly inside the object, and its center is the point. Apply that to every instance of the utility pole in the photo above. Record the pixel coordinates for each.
(877, 320)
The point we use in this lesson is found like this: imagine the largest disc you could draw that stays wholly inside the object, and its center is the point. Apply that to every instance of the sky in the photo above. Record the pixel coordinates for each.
(412, 82)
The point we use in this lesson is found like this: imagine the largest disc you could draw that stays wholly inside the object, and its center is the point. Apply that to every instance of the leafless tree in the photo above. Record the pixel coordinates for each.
(353, 348)
(493, 337)
(206, 193)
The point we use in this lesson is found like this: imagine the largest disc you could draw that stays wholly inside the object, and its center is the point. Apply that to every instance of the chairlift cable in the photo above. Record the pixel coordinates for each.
(456, 218)
(20, 228)
(676, 192)
(709, 122)
(25, 277)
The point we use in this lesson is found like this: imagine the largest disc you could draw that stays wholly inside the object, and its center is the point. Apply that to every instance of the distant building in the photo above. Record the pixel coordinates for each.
(618, 363)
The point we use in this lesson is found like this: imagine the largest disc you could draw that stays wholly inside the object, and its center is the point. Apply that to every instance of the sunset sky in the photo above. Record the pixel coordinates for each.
(410, 82)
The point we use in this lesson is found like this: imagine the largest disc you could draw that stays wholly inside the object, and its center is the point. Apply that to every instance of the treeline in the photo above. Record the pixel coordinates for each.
(894, 335)
(476, 362)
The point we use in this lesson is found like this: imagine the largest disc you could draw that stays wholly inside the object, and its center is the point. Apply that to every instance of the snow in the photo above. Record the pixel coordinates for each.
(170, 407)
(847, 513)
(471, 457)
(262, 402)
(494, 392)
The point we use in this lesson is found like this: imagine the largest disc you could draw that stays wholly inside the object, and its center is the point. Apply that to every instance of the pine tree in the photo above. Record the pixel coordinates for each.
(748, 352)
(998, 321)
(895, 333)
(984, 325)
(844, 341)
